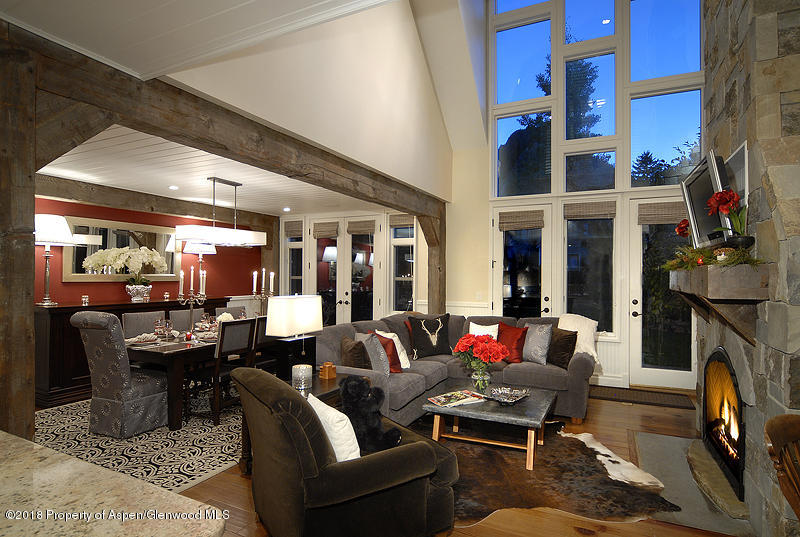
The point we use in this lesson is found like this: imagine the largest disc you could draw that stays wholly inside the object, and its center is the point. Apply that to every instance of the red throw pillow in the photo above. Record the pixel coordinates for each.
(513, 338)
(391, 353)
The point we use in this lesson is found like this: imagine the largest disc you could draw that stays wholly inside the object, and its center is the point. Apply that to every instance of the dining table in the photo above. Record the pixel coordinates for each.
(174, 356)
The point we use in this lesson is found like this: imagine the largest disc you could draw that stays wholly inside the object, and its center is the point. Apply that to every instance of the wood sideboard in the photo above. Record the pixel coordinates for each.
(62, 372)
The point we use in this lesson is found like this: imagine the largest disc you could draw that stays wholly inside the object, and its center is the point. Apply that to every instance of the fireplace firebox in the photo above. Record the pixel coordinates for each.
(723, 423)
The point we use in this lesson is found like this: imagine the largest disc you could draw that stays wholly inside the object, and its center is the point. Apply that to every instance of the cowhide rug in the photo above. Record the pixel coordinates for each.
(567, 475)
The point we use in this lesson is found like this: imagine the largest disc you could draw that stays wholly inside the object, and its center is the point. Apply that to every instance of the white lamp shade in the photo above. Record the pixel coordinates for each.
(89, 240)
(359, 260)
(170, 247)
(53, 230)
(329, 254)
(293, 315)
(371, 259)
(199, 248)
(221, 236)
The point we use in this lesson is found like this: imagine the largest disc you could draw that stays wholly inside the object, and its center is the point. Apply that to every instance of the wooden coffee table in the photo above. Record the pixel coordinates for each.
(529, 412)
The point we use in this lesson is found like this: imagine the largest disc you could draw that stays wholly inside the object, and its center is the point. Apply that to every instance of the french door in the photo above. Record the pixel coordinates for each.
(522, 261)
(660, 321)
(342, 268)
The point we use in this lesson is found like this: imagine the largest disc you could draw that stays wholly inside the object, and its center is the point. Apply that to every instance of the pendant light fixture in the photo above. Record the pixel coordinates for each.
(221, 236)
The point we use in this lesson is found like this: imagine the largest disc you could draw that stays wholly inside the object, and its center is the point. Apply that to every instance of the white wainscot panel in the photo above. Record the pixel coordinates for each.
(460, 308)
(612, 366)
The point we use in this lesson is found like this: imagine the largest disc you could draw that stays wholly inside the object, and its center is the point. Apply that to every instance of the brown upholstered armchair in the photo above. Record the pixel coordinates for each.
(300, 490)
(782, 435)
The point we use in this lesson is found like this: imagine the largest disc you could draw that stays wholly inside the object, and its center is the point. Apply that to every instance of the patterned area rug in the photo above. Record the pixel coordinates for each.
(174, 460)
(567, 475)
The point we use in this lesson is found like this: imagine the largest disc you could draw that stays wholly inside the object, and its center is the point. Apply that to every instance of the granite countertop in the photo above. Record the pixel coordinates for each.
(40, 488)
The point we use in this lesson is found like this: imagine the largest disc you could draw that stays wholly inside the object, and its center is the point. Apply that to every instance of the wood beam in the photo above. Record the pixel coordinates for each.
(160, 109)
(17, 157)
(434, 230)
(62, 124)
(48, 186)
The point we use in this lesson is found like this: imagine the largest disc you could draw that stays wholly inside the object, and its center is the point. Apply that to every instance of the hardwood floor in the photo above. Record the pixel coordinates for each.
(612, 423)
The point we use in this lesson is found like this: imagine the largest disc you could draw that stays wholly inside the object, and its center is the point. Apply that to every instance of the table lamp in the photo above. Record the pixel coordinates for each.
(51, 230)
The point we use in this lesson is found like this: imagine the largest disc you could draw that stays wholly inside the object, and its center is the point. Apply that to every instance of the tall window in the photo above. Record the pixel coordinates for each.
(293, 231)
(401, 228)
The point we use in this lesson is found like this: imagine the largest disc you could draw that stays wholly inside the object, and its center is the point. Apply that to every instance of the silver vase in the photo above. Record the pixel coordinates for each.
(139, 293)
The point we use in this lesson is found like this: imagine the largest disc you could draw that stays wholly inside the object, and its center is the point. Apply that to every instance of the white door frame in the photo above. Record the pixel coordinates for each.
(639, 375)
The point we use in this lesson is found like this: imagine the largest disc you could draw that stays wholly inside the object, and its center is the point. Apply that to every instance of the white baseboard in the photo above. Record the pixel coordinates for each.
(615, 381)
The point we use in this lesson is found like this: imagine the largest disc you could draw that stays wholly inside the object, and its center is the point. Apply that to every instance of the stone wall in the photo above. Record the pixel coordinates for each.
(752, 92)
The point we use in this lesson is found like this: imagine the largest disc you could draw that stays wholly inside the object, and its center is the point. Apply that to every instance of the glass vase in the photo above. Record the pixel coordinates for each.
(480, 381)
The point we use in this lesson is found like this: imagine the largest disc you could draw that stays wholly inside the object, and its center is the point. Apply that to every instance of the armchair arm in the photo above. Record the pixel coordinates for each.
(581, 365)
(343, 481)
(376, 378)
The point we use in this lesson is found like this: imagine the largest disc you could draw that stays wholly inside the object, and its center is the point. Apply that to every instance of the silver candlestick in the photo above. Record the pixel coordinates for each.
(192, 299)
(262, 301)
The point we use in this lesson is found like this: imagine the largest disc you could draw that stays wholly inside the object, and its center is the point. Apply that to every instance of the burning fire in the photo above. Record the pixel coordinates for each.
(727, 429)
(730, 420)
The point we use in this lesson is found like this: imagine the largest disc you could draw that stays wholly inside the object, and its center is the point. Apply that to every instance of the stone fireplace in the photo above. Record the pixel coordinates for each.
(752, 93)
(722, 415)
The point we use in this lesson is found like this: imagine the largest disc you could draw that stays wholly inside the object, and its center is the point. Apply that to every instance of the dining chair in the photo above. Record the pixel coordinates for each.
(137, 323)
(180, 319)
(261, 342)
(782, 435)
(125, 402)
(235, 338)
(235, 311)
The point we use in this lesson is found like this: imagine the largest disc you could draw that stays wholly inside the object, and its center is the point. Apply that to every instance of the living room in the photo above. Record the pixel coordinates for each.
(440, 112)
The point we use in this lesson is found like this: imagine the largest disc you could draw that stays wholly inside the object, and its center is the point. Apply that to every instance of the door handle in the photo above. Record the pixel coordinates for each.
(347, 302)
(635, 314)
(339, 302)
(546, 310)
(547, 299)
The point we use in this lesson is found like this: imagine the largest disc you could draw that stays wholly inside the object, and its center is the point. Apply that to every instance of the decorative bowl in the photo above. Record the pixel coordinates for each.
(508, 396)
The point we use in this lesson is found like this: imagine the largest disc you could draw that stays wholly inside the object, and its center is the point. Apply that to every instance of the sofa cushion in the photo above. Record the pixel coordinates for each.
(402, 388)
(430, 336)
(397, 324)
(586, 329)
(522, 321)
(375, 352)
(514, 340)
(329, 342)
(434, 372)
(443, 358)
(547, 376)
(537, 343)
(562, 347)
(486, 320)
(391, 353)
(368, 326)
(354, 354)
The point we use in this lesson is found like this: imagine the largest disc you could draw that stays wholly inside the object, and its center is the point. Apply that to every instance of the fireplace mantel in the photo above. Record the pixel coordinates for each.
(730, 292)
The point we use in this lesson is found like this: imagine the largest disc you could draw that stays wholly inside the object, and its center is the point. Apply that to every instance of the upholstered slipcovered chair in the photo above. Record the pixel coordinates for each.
(235, 311)
(137, 323)
(180, 319)
(300, 490)
(125, 401)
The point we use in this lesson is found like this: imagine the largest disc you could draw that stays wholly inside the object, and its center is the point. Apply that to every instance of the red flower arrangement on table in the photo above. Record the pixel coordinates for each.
(477, 352)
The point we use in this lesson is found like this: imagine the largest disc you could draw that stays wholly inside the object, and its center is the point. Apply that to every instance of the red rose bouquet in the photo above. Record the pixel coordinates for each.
(477, 352)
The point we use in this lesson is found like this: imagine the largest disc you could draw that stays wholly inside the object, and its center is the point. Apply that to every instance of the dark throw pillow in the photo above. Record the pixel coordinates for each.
(354, 354)
(513, 338)
(562, 346)
(429, 336)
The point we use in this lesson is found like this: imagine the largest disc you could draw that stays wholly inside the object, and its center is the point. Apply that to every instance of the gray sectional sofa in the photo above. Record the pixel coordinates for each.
(407, 391)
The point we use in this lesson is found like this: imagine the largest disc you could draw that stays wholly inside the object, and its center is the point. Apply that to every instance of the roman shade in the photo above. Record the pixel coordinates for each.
(401, 220)
(665, 212)
(513, 220)
(361, 227)
(293, 229)
(325, 230)
(589, 210)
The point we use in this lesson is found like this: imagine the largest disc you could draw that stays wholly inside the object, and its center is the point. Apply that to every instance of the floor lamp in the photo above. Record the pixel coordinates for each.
(51, 230)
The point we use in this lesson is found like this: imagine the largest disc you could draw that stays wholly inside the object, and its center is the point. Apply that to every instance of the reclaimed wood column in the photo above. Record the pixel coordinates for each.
(434, 231)
(17, 167)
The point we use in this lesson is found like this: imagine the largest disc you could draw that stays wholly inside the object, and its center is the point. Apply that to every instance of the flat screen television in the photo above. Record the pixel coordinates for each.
(697, 187)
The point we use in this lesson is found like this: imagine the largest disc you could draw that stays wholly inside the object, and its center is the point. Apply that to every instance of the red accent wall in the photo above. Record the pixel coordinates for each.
(229, 271)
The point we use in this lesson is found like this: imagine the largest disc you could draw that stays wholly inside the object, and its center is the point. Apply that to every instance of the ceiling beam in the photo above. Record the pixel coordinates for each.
(157, 108)
(106, 196)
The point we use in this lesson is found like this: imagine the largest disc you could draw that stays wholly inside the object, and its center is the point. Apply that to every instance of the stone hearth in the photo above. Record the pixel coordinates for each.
(752, 93)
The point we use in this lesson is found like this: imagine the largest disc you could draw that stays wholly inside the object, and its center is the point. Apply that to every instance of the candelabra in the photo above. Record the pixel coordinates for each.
(262, 301)
(191, 299)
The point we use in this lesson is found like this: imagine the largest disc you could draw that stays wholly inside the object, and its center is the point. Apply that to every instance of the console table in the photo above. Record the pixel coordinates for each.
(62, 372)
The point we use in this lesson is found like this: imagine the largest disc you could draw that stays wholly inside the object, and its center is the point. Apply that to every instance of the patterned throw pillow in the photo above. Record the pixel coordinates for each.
(562, 347)
(430, 336)
(484, 329)
(377, 356)
(391, 353)
(514, 339)
(398, 345)
(537, 343)
(354, 354)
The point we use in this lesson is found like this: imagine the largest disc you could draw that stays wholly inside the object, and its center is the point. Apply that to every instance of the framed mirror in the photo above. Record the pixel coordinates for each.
(118, 235)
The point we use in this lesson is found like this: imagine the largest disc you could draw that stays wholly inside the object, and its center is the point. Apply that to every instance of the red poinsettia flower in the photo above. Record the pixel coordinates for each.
(723, 201)
(683, 228)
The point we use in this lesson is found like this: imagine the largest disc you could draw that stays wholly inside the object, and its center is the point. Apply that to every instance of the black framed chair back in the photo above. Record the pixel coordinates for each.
(261, 338)
(235, 337)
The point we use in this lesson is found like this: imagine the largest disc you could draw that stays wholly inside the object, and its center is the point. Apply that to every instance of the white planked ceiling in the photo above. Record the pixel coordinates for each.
(150, 38)
(125, 158)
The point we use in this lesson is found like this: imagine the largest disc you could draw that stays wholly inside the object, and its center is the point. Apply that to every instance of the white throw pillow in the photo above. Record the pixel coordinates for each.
(338, 428)
(587, 332)
(481, 330)
(401, 351)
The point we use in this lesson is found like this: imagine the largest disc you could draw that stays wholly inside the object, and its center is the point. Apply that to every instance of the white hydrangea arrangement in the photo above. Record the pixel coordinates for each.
(132, 259)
